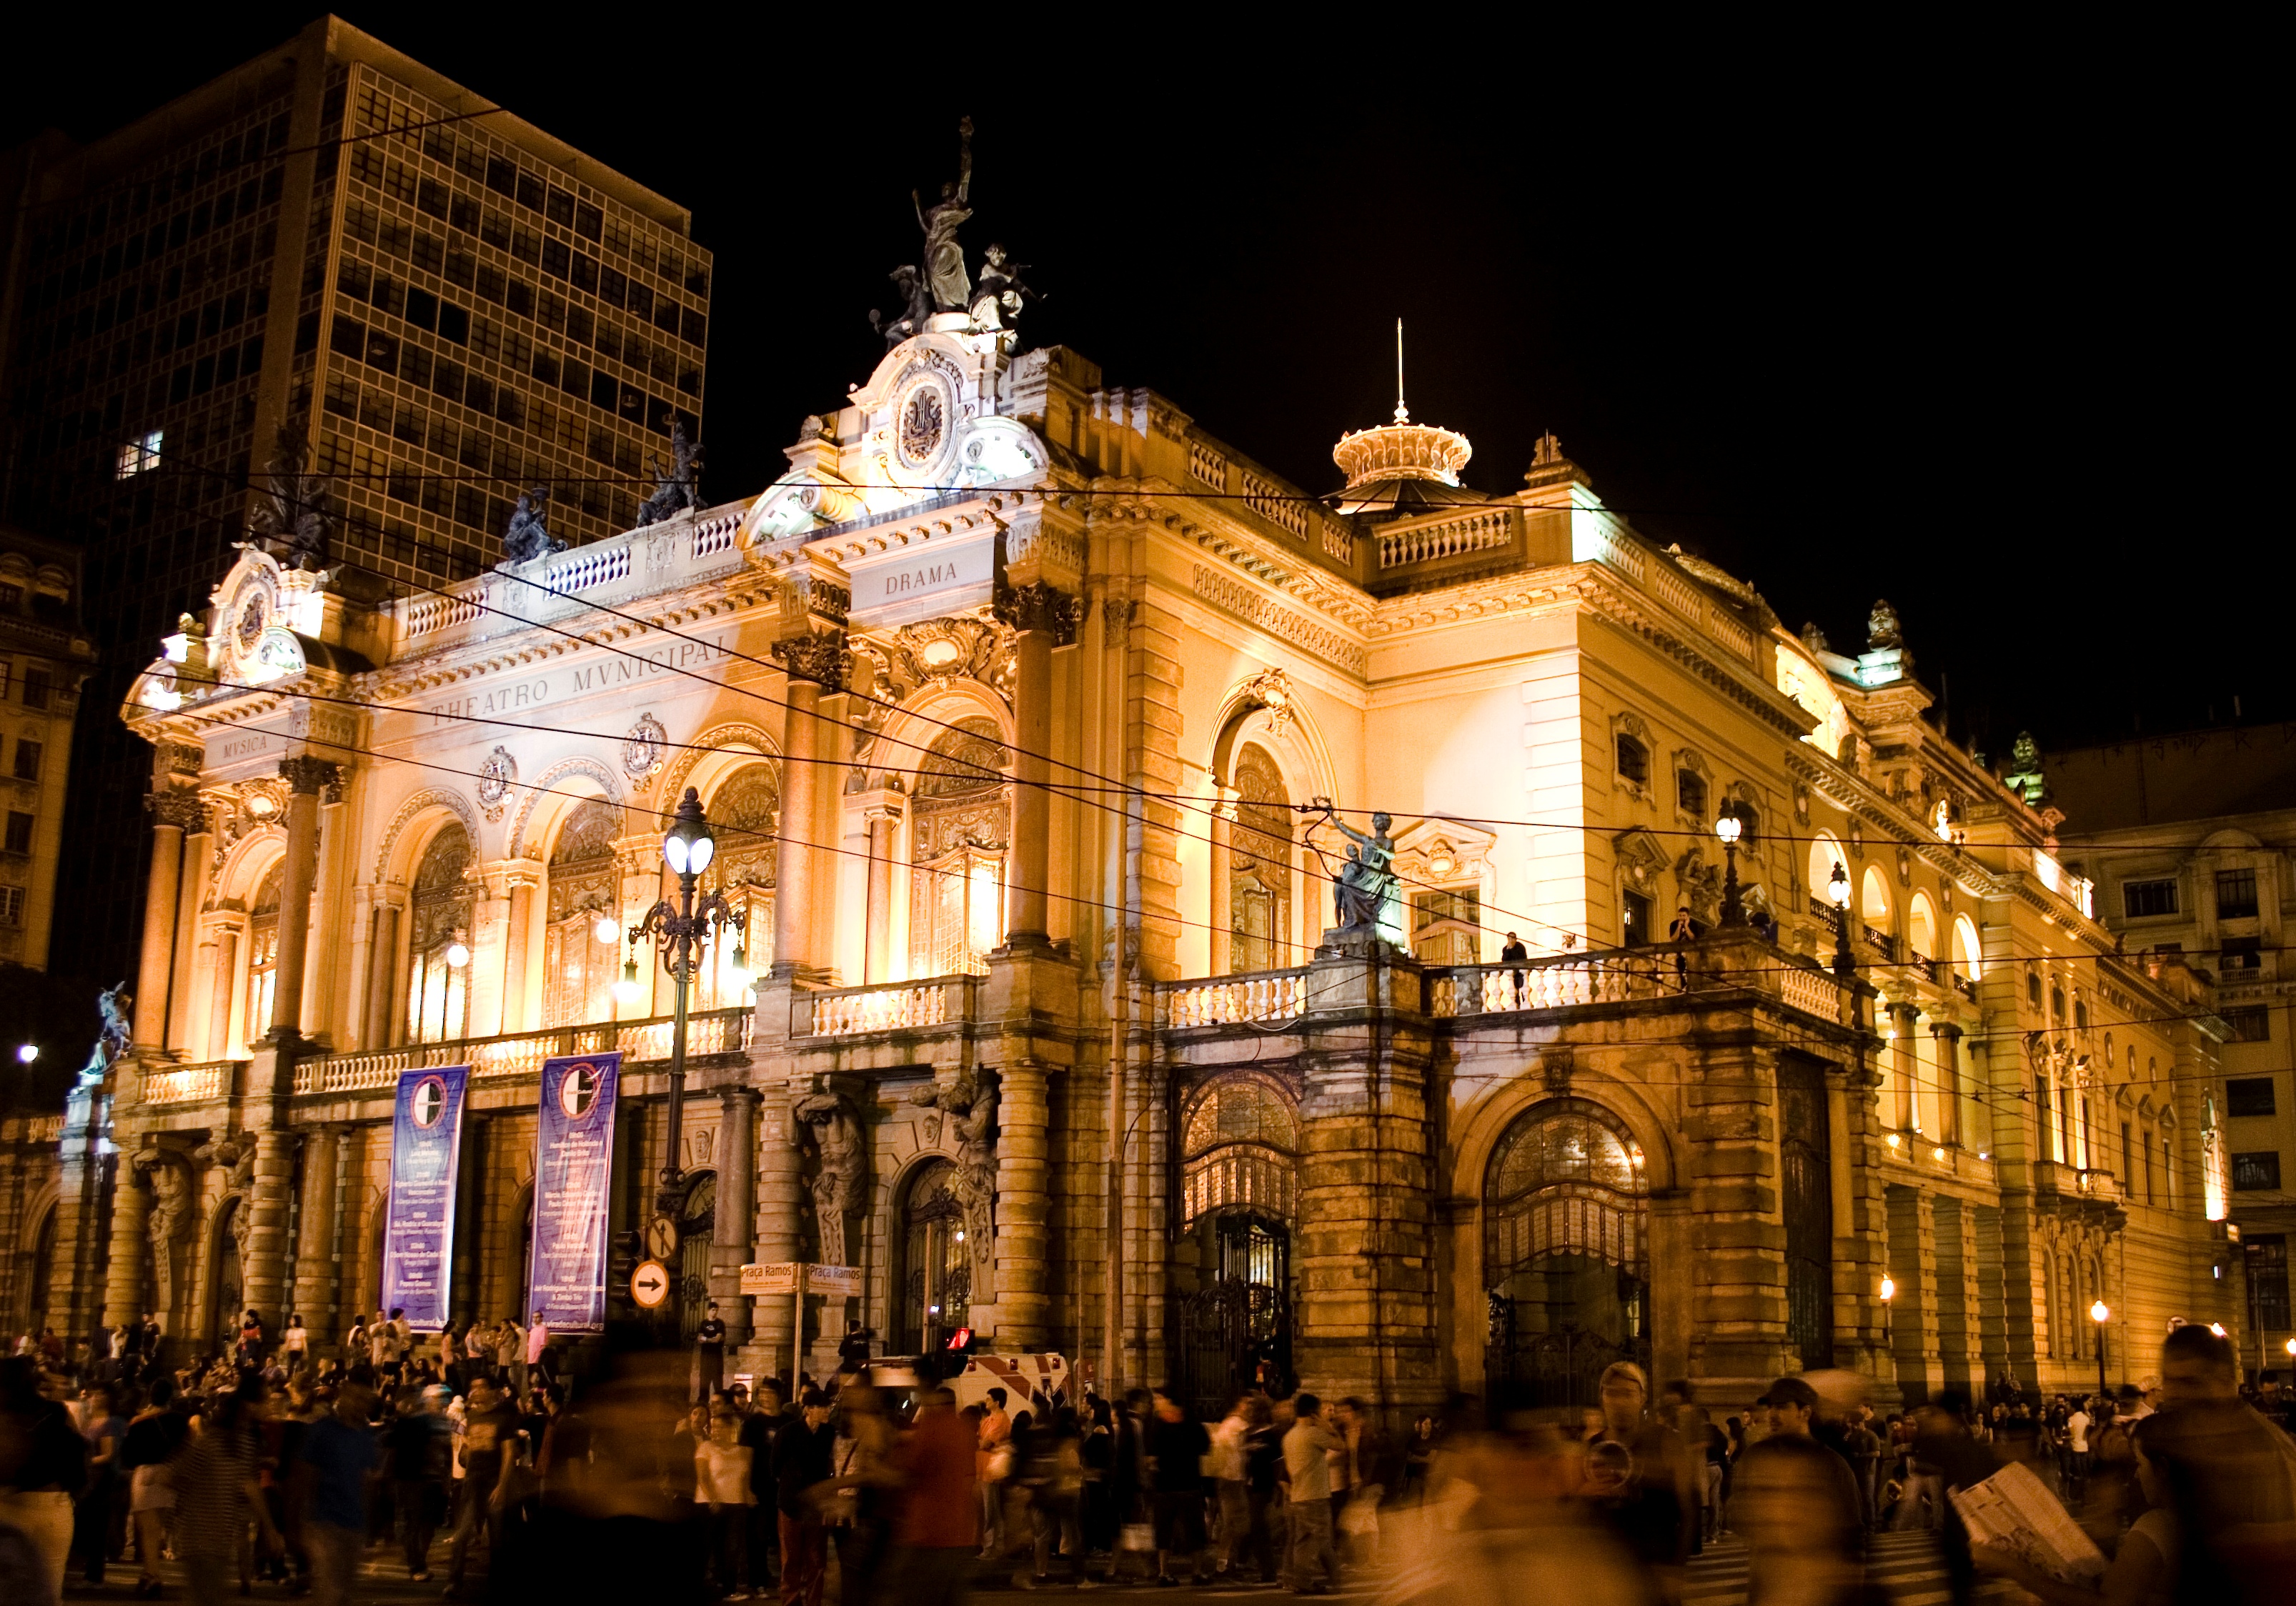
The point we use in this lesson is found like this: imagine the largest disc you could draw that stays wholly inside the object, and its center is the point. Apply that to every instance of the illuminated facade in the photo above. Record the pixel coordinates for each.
(1012, 700)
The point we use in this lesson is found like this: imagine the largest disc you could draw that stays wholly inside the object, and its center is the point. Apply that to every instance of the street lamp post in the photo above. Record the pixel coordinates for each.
(679, 932)
(1728, 827)
(2100, 1314)
(1837, 893)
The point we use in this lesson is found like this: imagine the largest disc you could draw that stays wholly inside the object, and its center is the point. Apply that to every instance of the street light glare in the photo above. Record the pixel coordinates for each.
(1889, 1289)
(25, 1052)
(608, 927)
(2099, 1312)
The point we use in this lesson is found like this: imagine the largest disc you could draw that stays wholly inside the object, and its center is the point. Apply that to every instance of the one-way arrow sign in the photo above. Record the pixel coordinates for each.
(650, 1284)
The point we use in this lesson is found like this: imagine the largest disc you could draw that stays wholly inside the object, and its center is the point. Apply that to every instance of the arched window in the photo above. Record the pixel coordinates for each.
(1921, 927)
(1259, 867)
(1689, 793)
(1825, 853)
(1873, 899)
(961, 827)
(263, 957)
(578, 970)
(934, 1280)
(744, 809)
(1240, 1151)
(1965, 961)
(438, 957)
(1566, 1255)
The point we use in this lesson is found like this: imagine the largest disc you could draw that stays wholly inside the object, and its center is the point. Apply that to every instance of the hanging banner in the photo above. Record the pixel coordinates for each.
(573, 1170)
(418, 1234)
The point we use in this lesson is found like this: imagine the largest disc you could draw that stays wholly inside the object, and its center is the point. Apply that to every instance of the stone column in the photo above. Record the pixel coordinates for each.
(884, 820)
(266, 1205)
(800, 826)
(1948, 1038)
(1905, 1066)
(1024, 1306)
(1365, 1252)
(778, 1187)
(1223, 879)
(1032, 735)
(131, 1247)
(1913, 1313)
(315, 1232)
(489, 941)
(737, 1208)
(1984, 1238)
(306, 777)
(1737, 1276)
(382, 975)
(1959, 1348)
(157, 970)
(183, 980)
(519, 1013)
(220, 1043)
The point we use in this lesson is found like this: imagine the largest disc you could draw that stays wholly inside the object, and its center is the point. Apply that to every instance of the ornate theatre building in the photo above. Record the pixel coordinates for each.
(1063, 1008)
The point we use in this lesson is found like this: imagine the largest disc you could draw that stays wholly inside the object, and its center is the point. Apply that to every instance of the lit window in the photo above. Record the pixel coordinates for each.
(11, 905)
(141, 453)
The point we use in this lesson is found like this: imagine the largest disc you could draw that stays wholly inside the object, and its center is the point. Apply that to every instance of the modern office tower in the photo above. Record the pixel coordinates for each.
(448, 305)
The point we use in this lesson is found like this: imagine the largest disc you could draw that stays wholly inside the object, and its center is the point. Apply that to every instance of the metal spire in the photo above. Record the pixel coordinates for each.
(1402, 413)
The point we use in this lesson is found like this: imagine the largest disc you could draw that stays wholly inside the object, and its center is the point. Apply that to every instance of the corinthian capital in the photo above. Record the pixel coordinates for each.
(822, 660)
(307, 777)
(180, 809)
(1038, 606)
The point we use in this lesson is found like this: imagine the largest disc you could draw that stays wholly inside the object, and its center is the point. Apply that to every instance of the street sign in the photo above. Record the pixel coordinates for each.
(650, 1284)
(837, 1282)
(775, 1277)
(661, 1238)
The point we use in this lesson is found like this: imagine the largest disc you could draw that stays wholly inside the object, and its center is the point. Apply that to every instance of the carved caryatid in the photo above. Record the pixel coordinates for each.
(171, 1205)
(972, 1106)
(841, 1185)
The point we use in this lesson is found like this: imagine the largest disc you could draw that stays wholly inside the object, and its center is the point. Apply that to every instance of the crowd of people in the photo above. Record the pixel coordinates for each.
(267, 1464)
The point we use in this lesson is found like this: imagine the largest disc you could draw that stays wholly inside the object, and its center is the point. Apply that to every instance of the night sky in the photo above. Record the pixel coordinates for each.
(1966, 322)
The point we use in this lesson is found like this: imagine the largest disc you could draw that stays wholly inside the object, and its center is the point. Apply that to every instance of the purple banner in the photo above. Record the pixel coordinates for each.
(573, 1169)
(418, 1237)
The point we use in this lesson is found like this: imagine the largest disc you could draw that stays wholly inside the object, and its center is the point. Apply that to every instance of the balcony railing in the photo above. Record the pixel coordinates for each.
(1880, 941)
(1928, 967)
(717, 1032)
(1233, 1000)
(1966, 988)
(190, 1083)
(894, 1006)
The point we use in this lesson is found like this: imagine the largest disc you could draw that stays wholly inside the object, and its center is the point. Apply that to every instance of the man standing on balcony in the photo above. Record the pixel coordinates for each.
(1515, 953)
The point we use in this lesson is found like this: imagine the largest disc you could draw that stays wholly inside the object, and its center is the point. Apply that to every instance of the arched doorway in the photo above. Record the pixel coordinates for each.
(1259, 867)
(221, 1325)
(35, 1314)
(697, 1227)
(1566, 1252)
(1239, 1191)
(933, 1282)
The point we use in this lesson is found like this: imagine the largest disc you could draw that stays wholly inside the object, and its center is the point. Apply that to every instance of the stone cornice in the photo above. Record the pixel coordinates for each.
(1597, 589)
(1844, 788)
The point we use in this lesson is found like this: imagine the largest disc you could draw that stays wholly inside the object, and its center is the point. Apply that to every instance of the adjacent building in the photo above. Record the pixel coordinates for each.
(330, 250)
(2192, 838)
(46, 654)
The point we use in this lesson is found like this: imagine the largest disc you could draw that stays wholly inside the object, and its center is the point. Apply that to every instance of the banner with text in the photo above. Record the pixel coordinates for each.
(418, 1234)
(573, 1172)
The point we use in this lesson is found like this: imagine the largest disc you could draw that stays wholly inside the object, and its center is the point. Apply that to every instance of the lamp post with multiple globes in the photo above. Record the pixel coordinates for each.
(680, 930)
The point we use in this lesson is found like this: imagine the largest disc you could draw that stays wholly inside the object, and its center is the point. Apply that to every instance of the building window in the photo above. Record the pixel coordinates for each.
(2239, 952)
(578, 970)
(2235, 895)
(1689, 793)
(1633, 760)
(742, 811)
(2033, 988)
(12, 597)
(2266, 1257)
(19, 833)
(1259, 867)
(11, 905)
(27, 760)
(262, 958)
(2258, 1168)
(37, 686)
(2249, 1095)
(2144, 900)
(960, 823)
(1447, 926)
(2250, 1023)
(140, 456)
(2147, 1142)
(2128, 1155)
(1634, 918)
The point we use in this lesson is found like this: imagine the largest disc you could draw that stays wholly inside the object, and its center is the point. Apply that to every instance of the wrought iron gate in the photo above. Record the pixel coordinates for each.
(1225, 1333)
(1557, 1369)
(1805, 1164)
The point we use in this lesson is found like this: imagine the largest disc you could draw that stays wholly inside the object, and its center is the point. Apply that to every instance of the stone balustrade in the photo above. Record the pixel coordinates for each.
(1233, 1000)
(521, 1053)
(189, 1084)
(894, 1006)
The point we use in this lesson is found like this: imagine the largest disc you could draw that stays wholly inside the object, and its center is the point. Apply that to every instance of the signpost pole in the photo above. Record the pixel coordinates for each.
(797, 1323)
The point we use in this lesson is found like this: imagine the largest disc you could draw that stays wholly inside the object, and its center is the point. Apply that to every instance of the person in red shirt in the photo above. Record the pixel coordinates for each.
(937, 1528)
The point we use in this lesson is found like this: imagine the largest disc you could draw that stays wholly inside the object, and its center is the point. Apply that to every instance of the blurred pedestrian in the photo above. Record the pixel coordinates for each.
(1310, 1565)
(2230, 1477)
(1177, 1444)
(938, 1520)
(218, 1493)
(721, 1485)
(328, 1493)
(1795, 1503)
(104, 1429)
(801, 1463)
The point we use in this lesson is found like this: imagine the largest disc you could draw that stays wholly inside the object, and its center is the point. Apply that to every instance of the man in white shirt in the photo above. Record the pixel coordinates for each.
(1309, 1562)
(2077, 1427)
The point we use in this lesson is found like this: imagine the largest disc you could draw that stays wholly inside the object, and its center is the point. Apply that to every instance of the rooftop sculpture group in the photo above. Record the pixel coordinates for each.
(943, 284)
